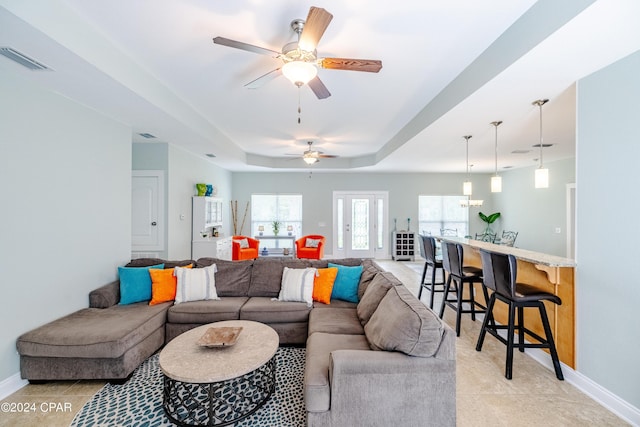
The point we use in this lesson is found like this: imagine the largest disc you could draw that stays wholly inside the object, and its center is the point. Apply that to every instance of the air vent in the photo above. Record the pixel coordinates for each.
(520, 151)
(210, 155)
(23, 59)
(147, 135)
(543, 145)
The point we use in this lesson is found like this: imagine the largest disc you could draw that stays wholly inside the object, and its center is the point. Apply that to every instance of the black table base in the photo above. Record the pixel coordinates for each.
(220, 403)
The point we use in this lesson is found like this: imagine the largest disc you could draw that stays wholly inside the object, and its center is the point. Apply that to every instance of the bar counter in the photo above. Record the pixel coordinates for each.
(548, 273)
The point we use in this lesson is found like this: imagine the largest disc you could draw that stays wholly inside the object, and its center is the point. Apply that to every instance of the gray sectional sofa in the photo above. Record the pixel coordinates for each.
(387, 359)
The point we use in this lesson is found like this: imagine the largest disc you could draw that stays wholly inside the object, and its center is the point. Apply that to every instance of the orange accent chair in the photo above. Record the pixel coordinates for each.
(304, 251)
(238, 253)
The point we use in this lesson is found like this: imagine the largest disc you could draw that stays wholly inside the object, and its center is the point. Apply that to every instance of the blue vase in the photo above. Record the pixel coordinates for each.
(209, 190)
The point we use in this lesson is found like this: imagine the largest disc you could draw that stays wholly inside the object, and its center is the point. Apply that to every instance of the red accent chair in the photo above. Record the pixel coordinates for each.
(303, 251)
(238, 253)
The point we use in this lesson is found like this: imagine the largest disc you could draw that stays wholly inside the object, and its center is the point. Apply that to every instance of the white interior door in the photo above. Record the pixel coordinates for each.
(360, 220)
(147, 207)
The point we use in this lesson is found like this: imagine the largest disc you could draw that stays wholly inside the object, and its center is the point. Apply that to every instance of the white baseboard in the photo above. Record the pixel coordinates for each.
(11, 385)
(615, 404)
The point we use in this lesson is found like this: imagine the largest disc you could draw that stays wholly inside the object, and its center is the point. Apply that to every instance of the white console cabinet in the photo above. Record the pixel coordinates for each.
(206, 220)
(215, 247)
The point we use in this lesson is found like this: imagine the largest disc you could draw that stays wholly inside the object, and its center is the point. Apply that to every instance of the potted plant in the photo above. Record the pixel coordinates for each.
(275, 225)
(489, 219)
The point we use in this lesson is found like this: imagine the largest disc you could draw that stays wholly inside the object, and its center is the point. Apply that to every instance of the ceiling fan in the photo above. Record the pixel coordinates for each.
(311, 156)
(300, 58)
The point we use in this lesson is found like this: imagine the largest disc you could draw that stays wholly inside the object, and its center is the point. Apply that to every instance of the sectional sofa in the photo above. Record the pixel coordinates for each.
(386, 359)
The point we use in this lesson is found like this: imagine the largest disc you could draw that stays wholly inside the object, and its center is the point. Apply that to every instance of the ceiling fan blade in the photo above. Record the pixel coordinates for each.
(245, 46)
(327, 156)
(319, 88)
(368, 65)
(317, 22)
(254, 84)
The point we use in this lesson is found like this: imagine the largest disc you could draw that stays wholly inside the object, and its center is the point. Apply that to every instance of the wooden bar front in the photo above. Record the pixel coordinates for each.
(548, 273)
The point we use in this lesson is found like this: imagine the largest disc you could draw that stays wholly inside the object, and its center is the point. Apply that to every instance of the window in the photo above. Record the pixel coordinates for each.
(285, 208)
(439, 212)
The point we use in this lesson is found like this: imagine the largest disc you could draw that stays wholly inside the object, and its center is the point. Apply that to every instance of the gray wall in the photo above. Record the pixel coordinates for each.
(65, 225)
(535, 213)
(317, 190)
(608, 290)
(183, 170)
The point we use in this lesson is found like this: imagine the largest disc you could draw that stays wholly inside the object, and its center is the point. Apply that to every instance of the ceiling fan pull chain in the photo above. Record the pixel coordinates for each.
(299, 109)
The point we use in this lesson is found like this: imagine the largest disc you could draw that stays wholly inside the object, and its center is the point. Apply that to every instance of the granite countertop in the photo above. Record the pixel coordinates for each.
(523, 254)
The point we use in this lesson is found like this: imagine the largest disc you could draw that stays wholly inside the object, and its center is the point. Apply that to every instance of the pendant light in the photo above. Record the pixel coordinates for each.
(541, 174)
(496, 180)
(467, 186)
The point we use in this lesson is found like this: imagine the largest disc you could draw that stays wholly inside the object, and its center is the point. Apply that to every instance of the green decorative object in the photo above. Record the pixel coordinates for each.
(202, 189)
(490, 219)
(276, 227)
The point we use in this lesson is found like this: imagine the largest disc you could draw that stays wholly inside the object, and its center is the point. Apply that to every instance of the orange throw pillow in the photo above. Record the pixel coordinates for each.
(323, 284)
(163, 285)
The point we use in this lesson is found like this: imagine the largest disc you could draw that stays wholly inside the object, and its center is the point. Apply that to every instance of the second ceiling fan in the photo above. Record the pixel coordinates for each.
(300, 58)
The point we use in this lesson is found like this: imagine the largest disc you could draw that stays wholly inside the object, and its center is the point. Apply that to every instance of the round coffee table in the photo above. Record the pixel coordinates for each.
(218, 386)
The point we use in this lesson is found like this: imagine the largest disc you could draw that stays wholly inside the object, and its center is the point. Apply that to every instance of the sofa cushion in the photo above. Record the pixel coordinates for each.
(369, 271)
(317, 390)
(297, 285)
(94, 332)
(266, 275)
(232, 278)
(266, 310)
(346, 285)
(196, 284)
(146, 262)
(376, 290)
(135, 283)
(208, 311)
(336, 321)
(403, 323)
(323, 284)
(336, 303)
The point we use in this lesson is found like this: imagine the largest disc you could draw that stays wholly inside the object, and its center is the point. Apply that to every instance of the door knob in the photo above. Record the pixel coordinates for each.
(154, 223)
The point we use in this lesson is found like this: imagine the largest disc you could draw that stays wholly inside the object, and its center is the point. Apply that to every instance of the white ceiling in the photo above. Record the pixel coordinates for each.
(449, 69)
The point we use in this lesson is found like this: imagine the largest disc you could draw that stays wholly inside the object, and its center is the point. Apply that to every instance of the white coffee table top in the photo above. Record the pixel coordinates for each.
(184, 360)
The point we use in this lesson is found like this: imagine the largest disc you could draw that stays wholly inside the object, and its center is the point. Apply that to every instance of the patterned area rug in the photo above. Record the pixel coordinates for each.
(138, 402)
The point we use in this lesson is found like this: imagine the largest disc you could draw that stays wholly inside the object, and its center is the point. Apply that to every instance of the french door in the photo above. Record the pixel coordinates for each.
(360, 220)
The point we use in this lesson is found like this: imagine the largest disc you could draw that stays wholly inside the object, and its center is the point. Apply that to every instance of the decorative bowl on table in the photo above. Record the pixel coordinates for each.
(223, 336)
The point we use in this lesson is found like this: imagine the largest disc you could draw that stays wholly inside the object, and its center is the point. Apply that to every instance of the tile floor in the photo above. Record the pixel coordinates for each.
(534, 396)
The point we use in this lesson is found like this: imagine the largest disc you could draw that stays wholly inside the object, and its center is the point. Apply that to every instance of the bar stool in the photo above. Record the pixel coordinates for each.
(500, 272)
(452, 261)
(428, 250)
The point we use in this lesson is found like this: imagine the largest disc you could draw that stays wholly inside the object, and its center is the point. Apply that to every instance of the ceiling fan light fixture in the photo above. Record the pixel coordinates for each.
(299, 72)
(310, 159)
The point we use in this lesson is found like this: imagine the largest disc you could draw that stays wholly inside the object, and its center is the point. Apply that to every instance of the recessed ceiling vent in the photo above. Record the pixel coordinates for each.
(147, 135)
(23, 59)
(210, 155)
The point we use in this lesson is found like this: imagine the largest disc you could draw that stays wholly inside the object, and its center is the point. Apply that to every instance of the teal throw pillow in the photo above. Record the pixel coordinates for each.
(135, 283)
(346, 285)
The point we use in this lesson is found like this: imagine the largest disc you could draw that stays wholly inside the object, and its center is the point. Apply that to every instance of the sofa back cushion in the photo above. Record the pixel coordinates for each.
(232, 278)
(266, 275)
(376, 290)
(146, 262)
(403, 323)
(369, 270)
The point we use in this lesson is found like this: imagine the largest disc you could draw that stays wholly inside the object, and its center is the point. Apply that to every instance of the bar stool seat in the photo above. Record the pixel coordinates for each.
(499, 271)
(458, 276)
(428, 250)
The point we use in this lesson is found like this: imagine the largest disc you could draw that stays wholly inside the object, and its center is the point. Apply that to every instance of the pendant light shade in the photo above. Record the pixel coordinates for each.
(541, 178)
(496, 180)
(467, 186)
(496, 184)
